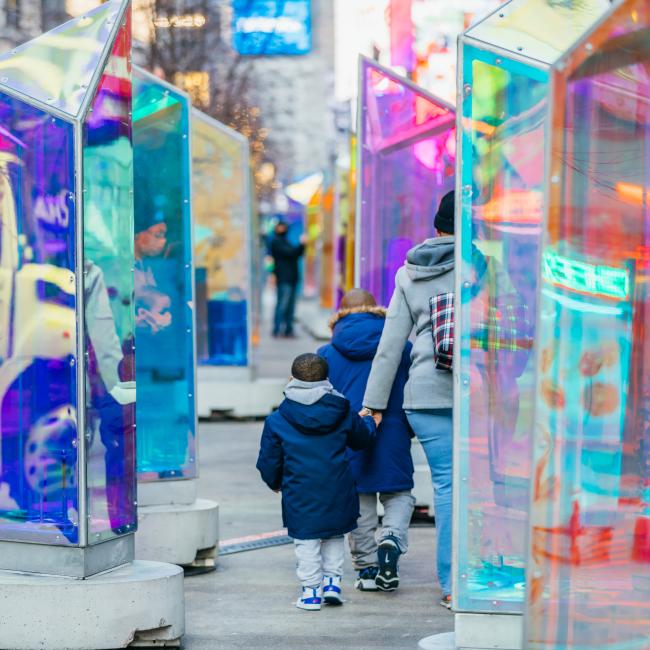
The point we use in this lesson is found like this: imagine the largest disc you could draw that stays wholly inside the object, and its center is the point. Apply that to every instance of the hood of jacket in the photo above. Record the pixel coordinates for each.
(319, 418)
(430, 259)
(356, 332)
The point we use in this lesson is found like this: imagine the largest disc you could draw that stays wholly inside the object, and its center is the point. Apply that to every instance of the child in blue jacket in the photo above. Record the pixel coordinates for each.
(303, 455)
(386, 468)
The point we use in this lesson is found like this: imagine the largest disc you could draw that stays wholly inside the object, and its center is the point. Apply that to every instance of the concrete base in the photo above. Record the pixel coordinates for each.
(438, 642)
(187, 535)
(479, 632)
(137, 605)
(237, 394)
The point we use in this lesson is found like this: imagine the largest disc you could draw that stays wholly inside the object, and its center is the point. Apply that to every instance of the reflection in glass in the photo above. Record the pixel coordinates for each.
(57, 67)
(38, 333)
(222, 212)
(503, 143)
(407, 155)
(590, 520)
(163, 282)
(108, 301)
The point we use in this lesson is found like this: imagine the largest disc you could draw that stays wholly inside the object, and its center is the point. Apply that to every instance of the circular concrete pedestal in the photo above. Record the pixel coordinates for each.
(438, 642)
(138, 605)
(181, 534)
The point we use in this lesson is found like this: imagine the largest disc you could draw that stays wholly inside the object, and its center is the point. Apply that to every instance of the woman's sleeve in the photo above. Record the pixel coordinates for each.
(398, 327)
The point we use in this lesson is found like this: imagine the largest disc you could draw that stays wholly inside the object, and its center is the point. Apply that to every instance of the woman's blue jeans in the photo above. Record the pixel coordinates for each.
(435, 433)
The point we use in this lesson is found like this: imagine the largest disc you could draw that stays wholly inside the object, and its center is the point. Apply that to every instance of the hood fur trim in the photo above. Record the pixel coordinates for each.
(342, 313)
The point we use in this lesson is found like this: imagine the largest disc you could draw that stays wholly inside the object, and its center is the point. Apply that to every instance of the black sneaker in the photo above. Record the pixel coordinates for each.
(388, 554)
(366, 579)
(446, 601)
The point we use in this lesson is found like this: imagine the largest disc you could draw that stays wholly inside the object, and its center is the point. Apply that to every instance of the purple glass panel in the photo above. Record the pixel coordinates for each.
(108, 293)
(408, 153)
(38, 334)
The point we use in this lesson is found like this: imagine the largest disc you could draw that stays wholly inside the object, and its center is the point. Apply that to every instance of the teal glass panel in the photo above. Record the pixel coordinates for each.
(39, 474)
(590, 516)
(222, 206)
(57, 68)
(108, 300)
(163, 282)
(502, 153)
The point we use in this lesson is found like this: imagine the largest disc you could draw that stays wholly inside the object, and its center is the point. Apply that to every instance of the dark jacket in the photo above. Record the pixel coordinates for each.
(387, 466)
(286, 257)
(303, 453)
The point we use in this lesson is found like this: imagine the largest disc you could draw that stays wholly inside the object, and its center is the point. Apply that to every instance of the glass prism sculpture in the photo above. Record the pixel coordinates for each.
(67, 389)
(164, 300)
(589, 532)
(507, 62)
(222, 206)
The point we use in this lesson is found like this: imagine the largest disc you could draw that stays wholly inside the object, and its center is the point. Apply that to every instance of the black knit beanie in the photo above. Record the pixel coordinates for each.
(444, 221)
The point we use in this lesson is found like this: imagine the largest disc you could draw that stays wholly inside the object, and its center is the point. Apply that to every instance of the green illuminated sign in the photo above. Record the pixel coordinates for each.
(586, 278)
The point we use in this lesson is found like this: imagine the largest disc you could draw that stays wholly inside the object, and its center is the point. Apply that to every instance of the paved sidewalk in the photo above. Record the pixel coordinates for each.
(248, 601)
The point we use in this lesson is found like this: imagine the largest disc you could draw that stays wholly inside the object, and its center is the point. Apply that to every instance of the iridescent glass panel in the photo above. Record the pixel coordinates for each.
(108, 301)
(407, 156)
(57, 67)
(164, 299)
(222, 207)
(38, 333)
(503, 145)
(590, 520)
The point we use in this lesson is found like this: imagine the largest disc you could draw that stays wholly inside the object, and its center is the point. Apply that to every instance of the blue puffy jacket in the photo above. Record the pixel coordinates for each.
(303, 453)
(387, 466)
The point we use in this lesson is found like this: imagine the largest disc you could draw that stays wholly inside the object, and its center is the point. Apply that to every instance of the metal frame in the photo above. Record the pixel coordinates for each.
(84, 545)
(246, 169)
(186, 100)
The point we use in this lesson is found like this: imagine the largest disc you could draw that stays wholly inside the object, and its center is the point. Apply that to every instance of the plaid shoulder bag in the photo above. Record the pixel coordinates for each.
(442, 329)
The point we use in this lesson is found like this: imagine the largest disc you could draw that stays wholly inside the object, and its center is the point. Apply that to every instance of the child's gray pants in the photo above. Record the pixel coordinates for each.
(398, 508)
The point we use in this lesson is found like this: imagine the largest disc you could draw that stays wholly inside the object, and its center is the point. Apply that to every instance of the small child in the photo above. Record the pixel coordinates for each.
(303, 455)
(385, 469)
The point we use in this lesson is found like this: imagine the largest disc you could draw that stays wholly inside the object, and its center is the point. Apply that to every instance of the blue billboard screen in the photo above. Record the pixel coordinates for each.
(272, 27)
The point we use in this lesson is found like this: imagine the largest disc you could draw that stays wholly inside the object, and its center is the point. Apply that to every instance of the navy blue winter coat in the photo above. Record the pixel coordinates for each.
(303, 453)
(387, 466)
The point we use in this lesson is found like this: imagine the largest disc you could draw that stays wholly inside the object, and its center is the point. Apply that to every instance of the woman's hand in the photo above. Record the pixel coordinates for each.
(375, 415)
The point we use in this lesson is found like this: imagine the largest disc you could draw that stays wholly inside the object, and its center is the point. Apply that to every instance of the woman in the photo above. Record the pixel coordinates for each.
(428, 395)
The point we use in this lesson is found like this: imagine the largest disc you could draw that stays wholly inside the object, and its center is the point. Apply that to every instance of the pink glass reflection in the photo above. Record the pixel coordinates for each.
(408, 153)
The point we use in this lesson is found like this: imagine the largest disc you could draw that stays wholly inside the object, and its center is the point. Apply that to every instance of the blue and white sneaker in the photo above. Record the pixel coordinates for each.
(311, 599)
(366, 579)
(388, 555)
(332, 590)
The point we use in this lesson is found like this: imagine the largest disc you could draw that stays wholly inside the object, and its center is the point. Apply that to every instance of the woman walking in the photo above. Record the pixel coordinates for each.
(428, 396)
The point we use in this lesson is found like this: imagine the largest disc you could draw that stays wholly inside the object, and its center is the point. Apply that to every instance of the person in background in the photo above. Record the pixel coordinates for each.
(286, 258)
(428, 396)
(386, 468)
(303, 455)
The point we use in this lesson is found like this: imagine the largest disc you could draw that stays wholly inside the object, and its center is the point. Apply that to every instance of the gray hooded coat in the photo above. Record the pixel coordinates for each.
(429, 271)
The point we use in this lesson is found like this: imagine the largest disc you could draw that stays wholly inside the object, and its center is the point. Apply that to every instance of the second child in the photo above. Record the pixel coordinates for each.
(385, 470)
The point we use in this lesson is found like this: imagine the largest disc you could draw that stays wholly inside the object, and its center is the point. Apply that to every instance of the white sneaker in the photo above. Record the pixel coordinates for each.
(311, 599)
(332, 590)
